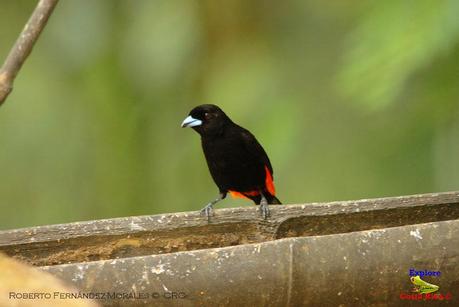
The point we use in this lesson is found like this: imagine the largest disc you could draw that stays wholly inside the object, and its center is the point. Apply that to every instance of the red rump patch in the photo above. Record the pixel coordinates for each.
(269, 185)
(243, 194)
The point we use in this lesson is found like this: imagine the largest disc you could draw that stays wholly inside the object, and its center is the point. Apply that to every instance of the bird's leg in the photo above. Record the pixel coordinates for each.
(264, 209)
(208, 209)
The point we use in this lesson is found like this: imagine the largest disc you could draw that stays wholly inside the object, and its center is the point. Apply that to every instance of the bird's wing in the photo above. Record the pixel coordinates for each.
(255, 149)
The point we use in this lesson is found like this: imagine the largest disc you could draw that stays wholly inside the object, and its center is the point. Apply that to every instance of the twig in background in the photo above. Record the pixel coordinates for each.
(23, 46)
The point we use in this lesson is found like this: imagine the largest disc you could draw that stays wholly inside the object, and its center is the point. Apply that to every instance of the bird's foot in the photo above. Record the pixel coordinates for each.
(264, 209)
(207, 211)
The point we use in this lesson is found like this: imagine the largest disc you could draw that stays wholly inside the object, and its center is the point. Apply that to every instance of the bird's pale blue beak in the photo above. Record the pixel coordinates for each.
(191, 122)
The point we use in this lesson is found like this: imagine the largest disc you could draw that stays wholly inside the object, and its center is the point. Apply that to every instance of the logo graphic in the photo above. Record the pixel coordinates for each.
(423, 290)
(422, 286)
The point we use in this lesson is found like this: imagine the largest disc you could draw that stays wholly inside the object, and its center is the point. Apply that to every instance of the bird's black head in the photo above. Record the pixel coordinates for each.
(207, 119)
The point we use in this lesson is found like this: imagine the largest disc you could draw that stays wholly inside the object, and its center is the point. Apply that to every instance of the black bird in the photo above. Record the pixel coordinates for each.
(237, 162)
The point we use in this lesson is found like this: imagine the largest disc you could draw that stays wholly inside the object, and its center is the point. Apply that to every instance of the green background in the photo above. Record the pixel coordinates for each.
(351, 99)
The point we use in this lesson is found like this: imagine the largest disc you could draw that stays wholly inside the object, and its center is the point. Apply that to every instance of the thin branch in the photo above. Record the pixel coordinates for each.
(23, 46)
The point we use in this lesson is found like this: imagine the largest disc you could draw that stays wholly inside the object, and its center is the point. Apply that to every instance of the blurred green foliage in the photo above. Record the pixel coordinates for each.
(351, 99)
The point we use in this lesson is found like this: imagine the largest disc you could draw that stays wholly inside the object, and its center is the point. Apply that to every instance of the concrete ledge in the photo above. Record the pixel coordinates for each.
(168, 233)
(348, 253)
(365, 268)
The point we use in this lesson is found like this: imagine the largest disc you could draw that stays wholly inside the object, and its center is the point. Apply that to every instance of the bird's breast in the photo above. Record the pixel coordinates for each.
(232, 166)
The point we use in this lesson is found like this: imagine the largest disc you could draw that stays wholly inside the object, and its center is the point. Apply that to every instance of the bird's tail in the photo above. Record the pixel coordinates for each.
(273, 200)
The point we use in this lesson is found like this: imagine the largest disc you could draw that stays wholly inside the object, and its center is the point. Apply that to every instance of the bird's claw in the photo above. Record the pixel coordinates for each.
(264, 210)
(207, 211)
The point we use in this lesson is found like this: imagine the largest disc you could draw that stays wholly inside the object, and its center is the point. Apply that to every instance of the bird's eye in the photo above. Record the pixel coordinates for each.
(206, 115)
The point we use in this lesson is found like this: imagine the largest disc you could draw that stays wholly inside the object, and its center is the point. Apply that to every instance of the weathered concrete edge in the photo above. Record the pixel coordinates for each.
(170, 221)
(368, 267)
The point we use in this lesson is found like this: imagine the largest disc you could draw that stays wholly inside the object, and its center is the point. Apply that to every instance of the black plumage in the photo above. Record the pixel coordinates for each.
(236, 160)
